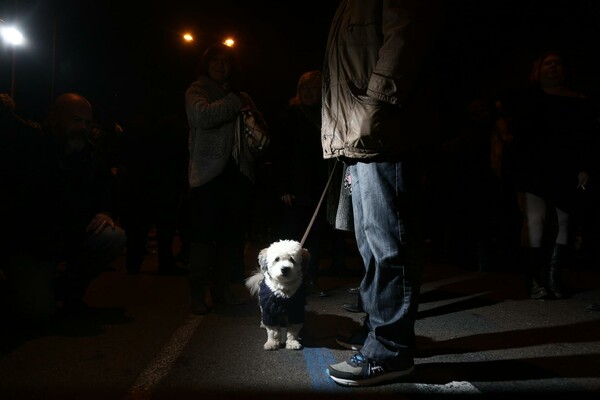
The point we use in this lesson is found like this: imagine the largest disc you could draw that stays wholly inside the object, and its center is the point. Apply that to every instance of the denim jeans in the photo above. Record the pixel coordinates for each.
(390, 287)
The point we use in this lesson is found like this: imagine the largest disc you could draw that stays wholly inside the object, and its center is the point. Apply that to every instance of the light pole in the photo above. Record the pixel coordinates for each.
(14, 37)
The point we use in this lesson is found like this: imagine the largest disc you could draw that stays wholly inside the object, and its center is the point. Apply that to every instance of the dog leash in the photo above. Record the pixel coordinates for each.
(312, 220)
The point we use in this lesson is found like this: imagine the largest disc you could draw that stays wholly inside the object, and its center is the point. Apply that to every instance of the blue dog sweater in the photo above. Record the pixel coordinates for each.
(279, 311)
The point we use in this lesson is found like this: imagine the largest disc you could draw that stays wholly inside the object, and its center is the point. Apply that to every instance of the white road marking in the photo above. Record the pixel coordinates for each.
(453, 387)
(162, 364)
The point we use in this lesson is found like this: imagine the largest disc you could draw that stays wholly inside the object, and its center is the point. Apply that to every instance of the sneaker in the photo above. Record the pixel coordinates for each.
(354, 290)
(594, 307)
(539, 293)
(359, 370)
(353, 307)
(354, 341)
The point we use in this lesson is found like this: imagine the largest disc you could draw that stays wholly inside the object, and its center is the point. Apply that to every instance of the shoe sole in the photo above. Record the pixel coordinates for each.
(388, 377)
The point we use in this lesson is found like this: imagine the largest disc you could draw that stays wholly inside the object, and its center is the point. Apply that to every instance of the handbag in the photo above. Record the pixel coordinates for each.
(255, 130)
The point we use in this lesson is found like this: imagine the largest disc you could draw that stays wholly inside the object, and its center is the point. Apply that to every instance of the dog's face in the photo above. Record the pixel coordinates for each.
(284, 261)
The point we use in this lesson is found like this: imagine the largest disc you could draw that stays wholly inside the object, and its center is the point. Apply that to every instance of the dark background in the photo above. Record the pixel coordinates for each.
(114, 52)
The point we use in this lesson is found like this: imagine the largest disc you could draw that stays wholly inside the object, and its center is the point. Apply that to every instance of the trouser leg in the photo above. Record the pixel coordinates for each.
(535, 272)
(165, 233)
(97, 252)
(557, 264)
(390, 287)
(201, 255)
(137, 237)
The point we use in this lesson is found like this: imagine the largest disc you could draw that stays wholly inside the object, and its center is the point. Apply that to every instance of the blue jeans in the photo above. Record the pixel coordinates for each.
(390, 287)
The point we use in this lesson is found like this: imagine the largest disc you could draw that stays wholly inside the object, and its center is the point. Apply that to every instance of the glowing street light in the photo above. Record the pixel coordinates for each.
(188, 37)
(229, 42)
(14, 37)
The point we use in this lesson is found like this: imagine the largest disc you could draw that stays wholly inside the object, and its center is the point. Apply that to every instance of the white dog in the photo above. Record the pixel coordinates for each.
(281, 291)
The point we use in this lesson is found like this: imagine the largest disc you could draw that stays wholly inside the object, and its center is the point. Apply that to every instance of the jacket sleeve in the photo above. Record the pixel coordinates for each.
(407, 27)
(205, 114)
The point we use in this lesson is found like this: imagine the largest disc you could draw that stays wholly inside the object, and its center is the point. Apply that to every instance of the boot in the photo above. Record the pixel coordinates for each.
(198, 276)
(536, 278)
(557, 263)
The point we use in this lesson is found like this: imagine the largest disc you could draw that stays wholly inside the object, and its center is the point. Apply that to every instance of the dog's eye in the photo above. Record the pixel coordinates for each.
(292, 260)
(276, 259)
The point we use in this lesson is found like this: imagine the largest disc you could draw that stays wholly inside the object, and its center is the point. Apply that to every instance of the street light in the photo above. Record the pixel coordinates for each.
(14, 37)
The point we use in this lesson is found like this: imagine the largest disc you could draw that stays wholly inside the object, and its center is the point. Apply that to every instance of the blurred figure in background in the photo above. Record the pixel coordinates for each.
(153, 174)
(302, 172)
(555, 131)
(61, 201)
(221, 178)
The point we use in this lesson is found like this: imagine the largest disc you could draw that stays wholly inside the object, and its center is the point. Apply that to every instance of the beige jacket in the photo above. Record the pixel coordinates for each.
(377, 101)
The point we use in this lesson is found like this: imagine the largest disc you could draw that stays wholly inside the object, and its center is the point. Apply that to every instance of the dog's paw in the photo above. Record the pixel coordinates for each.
(293, 345)
(272, 345)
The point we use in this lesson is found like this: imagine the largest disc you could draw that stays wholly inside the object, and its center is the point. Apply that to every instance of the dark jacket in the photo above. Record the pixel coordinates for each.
(300, 167)
(49, 197)
(555, 138)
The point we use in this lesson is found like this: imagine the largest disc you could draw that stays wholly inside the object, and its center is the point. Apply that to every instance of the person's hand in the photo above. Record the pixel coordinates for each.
(247, 102)
(288, 199)
(583, 180)
(100, 222)
(7, 102)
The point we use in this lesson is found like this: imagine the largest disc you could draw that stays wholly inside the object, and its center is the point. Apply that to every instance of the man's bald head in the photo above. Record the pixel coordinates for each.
(71, 100)
(70, 121)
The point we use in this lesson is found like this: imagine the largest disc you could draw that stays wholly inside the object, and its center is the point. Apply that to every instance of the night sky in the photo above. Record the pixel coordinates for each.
(114, 52)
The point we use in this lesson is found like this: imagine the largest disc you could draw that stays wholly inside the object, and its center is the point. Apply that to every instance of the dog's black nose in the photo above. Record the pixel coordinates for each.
(285, 271)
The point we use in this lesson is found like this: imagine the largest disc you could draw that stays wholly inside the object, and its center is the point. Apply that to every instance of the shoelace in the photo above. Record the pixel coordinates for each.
(358, 359)
(372, 370)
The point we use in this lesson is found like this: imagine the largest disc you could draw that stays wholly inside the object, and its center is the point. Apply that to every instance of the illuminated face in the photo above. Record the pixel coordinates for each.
(552, 70)
(219, 68)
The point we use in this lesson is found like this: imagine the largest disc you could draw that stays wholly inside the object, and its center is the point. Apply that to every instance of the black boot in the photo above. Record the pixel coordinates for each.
(535, 268)
(557, 263)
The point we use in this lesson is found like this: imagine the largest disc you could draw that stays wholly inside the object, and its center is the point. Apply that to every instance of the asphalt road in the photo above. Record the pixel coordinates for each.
(478, 335)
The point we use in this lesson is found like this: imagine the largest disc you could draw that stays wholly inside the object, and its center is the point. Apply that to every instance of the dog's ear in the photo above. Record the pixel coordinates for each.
(262, 260)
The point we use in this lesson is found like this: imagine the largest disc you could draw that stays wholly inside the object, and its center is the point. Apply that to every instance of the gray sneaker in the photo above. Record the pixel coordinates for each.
(359, 370)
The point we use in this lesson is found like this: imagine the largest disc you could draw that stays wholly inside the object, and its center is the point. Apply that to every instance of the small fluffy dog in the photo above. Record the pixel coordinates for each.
(281, 291)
